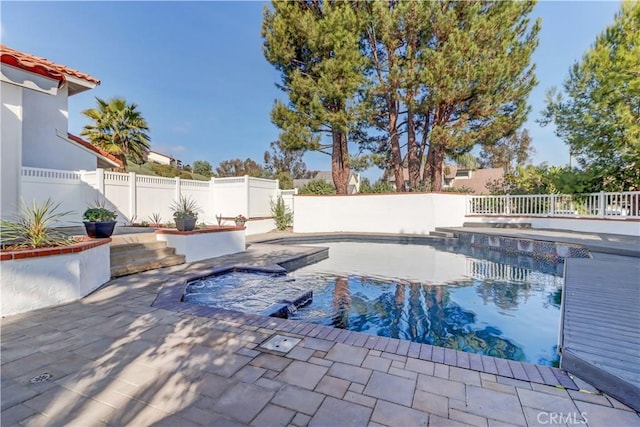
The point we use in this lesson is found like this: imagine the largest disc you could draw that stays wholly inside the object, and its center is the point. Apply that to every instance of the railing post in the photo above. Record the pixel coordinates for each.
(178, 191)
(133, 196)
(212, 197)
(100, 181)
(246, 189)
(552, 204)
(507, 204)
(602, 205)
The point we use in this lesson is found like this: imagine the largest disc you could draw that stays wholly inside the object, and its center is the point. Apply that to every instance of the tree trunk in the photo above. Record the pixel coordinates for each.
(412, 154)
(394, 138)
(435, 159)
(340, 162)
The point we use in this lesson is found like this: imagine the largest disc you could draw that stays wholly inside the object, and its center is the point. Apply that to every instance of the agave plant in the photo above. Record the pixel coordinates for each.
(33, 227)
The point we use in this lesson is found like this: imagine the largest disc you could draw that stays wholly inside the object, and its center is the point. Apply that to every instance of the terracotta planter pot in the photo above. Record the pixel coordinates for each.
(99, 230)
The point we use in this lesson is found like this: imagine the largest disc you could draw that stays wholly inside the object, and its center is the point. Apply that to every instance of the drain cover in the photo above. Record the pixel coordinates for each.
(280, 343)
(41, 378)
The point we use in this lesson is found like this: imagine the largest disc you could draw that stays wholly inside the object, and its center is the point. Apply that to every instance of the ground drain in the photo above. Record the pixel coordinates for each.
(41, 378)
(280, 343)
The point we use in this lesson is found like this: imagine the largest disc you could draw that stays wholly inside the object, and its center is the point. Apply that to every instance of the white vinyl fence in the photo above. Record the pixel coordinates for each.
(594, 205)
(138, 198)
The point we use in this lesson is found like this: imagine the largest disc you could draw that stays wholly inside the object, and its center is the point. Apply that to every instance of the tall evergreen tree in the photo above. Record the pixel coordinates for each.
(315, 46)
(477, 74)
(446, 76)
(600, 117)
(119, 129)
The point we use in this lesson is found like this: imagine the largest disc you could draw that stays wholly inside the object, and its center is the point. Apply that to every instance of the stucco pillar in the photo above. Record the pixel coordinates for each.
(10, 150)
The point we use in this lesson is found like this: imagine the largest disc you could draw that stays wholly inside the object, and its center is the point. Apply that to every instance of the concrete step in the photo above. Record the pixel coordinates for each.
(140, 266)
(123, 239)
(134, 247)
(497, 224)
(446, 234)
(141, 254)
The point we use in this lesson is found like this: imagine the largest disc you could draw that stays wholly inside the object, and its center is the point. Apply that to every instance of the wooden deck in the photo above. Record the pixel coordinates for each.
(601, 325)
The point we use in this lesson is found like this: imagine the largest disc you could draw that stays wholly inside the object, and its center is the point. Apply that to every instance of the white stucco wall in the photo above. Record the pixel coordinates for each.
(380, 213)
(10, 148)
(608, 226)
(33, 283)
(43, 115)
(259, 226)
(199, 246)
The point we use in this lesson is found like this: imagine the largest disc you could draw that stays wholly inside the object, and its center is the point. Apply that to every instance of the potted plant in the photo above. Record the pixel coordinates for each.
(240, 220)
(99, 222)
(185, 213)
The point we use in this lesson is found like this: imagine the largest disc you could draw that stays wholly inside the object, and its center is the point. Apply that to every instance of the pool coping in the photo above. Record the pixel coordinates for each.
(170, 298)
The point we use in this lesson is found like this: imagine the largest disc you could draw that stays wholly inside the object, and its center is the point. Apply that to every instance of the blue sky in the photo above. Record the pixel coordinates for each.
(197, 72)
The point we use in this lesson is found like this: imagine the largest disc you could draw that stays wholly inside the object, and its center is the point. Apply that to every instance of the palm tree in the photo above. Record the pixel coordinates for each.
(119, 129)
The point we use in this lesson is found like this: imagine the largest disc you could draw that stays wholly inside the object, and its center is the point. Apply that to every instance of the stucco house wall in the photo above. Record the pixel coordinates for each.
(44, 116)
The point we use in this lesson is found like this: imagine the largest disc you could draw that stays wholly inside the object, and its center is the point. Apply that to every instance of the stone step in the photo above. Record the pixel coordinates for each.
(140, 254)
(140, 266)
(134, 247)
(497, 224)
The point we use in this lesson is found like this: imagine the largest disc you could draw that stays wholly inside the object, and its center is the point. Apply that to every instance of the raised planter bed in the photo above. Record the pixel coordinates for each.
(38, 278)
(205, 243)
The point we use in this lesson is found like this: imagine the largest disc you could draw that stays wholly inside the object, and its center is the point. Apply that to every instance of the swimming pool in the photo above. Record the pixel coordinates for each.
(418, 293)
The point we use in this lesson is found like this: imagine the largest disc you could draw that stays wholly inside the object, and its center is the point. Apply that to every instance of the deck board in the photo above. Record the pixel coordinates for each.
(601, 324)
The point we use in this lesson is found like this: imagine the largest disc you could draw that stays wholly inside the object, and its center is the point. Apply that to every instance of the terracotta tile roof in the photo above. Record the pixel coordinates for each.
(95, 149)
(41, 66)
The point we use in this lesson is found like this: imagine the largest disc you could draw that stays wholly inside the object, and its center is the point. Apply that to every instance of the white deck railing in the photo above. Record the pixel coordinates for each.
(596, 205)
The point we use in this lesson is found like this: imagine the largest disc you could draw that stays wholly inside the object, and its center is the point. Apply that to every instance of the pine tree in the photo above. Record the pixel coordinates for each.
(315, 46)
(600, 117)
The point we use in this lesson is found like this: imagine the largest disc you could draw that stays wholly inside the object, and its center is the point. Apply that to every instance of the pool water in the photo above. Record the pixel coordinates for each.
(412, 292)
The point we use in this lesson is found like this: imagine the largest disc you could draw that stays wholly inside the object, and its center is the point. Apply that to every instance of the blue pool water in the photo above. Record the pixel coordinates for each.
(412, 292)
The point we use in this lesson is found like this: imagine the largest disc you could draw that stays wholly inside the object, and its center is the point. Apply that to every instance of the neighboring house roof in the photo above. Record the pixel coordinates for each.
(320, 176)
(104, 159)
(161, 154)
(478, 180)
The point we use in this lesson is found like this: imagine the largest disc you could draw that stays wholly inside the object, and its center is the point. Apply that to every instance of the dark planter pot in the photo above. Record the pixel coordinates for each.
(99, 230)
(186, 224)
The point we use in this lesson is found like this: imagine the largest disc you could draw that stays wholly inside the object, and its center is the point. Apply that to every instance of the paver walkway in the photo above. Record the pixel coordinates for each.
(114, 359)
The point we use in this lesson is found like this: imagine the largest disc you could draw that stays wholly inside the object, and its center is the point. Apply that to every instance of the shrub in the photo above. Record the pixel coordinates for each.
(282, 215)
(318, 186)
(33, 228)
(99, 214)
(185, 207)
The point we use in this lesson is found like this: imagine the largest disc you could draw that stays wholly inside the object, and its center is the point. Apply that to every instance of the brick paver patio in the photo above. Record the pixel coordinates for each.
(115, 359)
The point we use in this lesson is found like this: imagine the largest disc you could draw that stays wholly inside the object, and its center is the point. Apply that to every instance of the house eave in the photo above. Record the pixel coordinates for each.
(62, 135)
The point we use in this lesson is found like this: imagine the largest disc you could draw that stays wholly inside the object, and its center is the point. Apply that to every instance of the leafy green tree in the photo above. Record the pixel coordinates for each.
(237, 167)
(318, 186)
(380, 186)
(315, 46)
(281, 160)
(285, 181)
(600, 117)
(202, 167)
(507, 152)
(119, 129)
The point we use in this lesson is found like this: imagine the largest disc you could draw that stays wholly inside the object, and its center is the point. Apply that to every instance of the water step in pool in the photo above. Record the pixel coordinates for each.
(285, 307)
